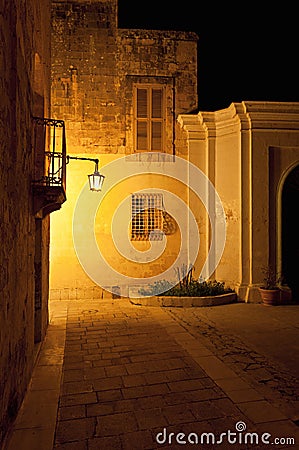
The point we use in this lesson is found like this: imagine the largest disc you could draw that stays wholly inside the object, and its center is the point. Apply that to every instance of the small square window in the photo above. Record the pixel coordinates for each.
(147, 217)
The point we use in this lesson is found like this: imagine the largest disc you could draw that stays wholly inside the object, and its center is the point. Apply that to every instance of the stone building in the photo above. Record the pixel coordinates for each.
(26, 197)
(103, 82)
(181, 187)
(120, 92)
(250, 152)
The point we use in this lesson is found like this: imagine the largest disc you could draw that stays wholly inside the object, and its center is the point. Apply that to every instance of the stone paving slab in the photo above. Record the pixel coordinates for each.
(260, 345)
(134, 378)
(34, 428)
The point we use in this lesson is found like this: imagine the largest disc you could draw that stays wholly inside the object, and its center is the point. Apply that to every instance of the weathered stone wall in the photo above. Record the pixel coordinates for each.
(247, 150)
(24, 32)
(166, 57)
(94, 67)
(84, 75)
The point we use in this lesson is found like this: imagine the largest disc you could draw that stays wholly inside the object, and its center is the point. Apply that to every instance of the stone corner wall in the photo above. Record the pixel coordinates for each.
(24, 39)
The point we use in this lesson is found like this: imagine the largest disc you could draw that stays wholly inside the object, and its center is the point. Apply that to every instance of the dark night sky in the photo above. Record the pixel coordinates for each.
(242, 55)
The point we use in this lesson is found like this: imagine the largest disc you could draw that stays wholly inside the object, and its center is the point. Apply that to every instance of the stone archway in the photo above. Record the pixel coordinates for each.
(290, 231)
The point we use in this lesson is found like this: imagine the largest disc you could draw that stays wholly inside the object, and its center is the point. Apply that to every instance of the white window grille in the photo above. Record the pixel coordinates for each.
(147, 217)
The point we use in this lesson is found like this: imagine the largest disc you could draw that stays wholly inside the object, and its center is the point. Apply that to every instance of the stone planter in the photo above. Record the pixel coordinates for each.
(186, 302)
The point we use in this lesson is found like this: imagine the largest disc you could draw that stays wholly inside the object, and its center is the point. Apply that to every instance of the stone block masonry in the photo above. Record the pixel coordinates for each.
(95, 69)
(24, 240)
(93, 63)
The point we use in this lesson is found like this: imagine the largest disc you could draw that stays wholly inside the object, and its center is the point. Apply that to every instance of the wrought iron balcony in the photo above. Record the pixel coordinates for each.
(49, 144)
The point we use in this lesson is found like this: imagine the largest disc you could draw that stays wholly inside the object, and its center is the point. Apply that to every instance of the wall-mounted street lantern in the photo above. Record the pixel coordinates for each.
(49, 179)
(95, 179)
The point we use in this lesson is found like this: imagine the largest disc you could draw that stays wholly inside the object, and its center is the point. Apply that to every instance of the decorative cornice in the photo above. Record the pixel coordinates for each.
(245, 116)
(272, 115)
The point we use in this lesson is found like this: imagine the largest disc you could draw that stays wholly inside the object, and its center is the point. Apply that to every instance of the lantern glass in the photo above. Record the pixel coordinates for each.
(96, 181)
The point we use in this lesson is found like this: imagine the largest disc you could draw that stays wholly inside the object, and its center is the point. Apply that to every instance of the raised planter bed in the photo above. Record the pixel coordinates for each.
(186, 302)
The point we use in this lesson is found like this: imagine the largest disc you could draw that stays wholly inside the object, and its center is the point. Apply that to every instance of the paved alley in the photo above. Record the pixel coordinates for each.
(112, 375)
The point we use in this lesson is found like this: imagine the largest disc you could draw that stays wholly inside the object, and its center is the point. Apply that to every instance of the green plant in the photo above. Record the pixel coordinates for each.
(187, 286)
(156, 288)
(271, 278)
(197, 288)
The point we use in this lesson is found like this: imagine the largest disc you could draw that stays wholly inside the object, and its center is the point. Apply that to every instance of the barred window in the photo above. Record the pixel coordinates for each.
(147, 218)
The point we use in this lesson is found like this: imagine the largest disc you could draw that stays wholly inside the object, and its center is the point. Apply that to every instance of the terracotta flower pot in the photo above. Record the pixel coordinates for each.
(270, 297)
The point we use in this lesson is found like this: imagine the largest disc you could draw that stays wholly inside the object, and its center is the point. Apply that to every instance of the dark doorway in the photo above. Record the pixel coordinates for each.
(290, 232)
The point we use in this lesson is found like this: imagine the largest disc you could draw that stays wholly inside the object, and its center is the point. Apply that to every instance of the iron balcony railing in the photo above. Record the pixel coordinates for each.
(50, 152)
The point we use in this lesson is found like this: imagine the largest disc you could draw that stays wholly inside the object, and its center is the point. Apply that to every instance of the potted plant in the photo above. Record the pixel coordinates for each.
(270, 291)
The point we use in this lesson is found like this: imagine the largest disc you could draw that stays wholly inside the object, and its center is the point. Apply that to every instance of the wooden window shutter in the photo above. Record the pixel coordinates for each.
(156, 138)
(157, 103)
(142, 119)
(142, 104)
(156, 124)
(142, 141)
(149, 118)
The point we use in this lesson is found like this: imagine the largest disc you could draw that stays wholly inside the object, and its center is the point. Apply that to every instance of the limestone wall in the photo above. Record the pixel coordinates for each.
(246, 151)
(24, 38)
(94, 68)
